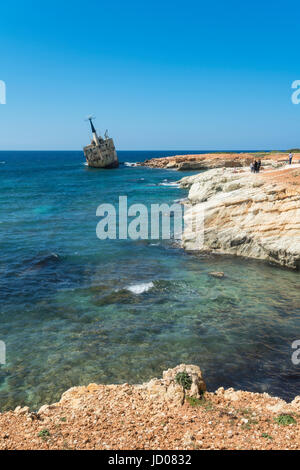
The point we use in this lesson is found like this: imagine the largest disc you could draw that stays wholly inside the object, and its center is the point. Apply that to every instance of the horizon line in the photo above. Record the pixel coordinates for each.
(153, 150)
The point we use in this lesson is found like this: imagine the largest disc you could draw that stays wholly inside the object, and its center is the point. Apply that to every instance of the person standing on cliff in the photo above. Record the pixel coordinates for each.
(255, 167)
(290, 158)
(258, 166)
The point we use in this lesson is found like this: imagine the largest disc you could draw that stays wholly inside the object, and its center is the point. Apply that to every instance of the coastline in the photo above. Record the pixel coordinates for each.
(206, 161)
(155, 415)
(76, 421)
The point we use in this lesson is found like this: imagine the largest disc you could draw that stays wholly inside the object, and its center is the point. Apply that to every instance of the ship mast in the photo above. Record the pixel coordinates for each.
(95, 136)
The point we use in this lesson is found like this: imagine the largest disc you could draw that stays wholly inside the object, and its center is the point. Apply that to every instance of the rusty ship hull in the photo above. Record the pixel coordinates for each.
(103, 155)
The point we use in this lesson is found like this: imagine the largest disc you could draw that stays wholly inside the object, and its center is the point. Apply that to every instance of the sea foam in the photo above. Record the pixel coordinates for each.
(140, 288)
(130, 164)
(171, 183)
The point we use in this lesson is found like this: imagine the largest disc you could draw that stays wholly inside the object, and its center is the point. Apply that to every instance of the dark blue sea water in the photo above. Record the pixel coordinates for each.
(76, 310)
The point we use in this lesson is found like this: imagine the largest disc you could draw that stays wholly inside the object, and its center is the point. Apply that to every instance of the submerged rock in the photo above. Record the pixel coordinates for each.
(121, 296)
(217, 274)
(36, 265)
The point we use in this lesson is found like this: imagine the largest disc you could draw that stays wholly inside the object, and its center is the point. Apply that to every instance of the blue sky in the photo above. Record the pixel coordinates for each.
(158, 75)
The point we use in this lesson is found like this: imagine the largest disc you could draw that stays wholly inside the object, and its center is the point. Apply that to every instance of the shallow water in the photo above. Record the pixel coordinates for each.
(76, 310)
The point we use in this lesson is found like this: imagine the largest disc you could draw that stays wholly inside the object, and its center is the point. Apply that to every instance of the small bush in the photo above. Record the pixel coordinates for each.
(284, 420)
(184, 379)
(44, 434)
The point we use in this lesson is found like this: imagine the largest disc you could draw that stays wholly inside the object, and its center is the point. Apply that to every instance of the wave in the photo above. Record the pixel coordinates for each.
(140, 288)
(130, 164)
(172, 184)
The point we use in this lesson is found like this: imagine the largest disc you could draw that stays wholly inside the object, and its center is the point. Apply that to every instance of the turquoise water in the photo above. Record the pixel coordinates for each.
(76, 310)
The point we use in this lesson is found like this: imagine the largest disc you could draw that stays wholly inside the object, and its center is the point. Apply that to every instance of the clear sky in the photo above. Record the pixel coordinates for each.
(158, 74)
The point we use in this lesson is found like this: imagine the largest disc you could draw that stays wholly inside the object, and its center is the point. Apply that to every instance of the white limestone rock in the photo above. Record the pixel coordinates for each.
(245, 215)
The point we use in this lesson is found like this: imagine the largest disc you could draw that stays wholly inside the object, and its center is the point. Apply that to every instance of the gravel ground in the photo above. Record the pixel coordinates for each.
(138, 417)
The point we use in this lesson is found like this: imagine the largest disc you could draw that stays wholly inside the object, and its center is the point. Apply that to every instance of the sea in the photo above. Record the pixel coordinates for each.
(75, 309)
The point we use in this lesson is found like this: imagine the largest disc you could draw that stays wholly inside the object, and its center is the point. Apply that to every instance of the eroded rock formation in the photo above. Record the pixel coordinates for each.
(246, 214)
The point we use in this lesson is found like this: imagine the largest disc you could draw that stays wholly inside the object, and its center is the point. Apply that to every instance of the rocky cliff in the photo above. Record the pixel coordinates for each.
(246, 214)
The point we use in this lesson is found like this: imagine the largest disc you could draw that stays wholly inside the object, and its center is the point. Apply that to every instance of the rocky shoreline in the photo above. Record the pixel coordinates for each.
(251, 215)
(218, 160)
(174, 412)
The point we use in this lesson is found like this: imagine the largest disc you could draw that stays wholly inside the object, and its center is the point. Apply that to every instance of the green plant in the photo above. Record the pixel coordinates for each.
(193, 401)
(63, 419)
(284, 420)
(184, 379)
(266, 436)
(208, 406)
(245, 411)
(249, 421)
(44, 434)
(246, 426)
